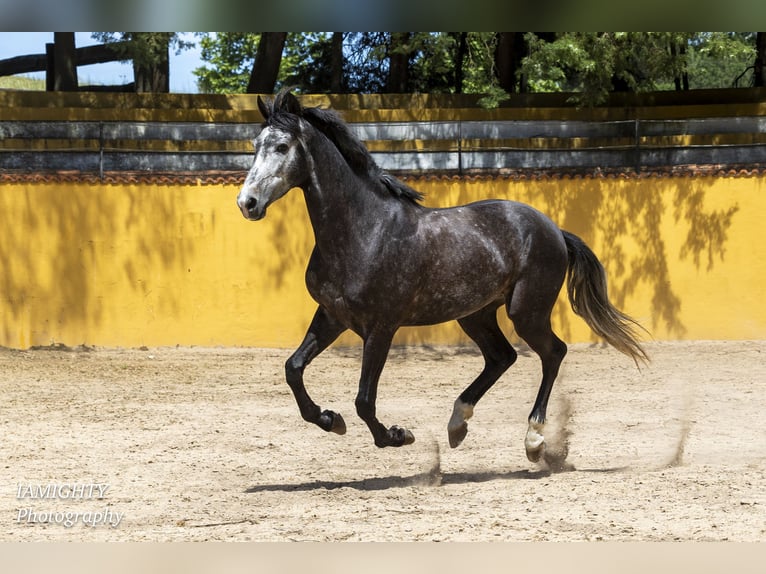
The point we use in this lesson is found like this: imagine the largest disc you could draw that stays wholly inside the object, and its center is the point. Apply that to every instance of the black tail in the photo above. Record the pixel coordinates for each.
(586, 286)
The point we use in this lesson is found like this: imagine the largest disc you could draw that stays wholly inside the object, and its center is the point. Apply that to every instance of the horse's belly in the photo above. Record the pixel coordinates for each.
(448, 303)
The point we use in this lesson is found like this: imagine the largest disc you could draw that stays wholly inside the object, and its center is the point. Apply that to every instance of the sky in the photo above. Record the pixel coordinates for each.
(182, 80)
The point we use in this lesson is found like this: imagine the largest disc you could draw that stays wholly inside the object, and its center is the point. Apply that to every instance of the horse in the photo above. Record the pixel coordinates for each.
(382, 260)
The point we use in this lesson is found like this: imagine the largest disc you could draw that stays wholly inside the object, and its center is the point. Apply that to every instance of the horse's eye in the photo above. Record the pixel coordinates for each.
(282, 148)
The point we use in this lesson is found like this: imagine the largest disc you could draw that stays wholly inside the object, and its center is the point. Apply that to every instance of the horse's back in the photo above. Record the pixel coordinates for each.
(506, 221)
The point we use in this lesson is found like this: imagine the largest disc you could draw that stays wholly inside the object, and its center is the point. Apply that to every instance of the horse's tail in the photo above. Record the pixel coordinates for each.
(586, 286)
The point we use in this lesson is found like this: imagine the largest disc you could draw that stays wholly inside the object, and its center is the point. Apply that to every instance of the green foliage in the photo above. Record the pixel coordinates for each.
(719, 59)
(306, 62)
(230, 56)
(432, 67)
(366, 66)
(593, 64)
(479, 68)
(146, 49)
(588, 64)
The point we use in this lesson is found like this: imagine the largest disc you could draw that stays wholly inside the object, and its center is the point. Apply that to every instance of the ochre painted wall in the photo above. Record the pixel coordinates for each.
(130, 265)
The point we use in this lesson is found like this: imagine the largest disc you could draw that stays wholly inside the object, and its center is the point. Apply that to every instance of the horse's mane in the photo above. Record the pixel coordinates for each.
(284, 113)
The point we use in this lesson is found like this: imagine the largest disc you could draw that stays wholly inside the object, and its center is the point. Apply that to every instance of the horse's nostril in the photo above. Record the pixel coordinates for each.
(250, 203)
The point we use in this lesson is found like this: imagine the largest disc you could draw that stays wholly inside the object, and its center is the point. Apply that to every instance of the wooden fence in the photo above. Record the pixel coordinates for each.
(57, 73)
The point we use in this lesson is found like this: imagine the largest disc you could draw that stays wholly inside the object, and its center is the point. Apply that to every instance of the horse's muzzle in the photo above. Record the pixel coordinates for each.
(251, 208)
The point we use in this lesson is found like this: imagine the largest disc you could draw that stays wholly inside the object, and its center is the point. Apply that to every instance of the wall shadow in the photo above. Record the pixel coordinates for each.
(632, 223)
(708, 229)
(67, 251)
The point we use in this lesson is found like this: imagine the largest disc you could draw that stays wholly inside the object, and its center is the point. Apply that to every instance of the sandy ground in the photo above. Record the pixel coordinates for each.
(207, 444)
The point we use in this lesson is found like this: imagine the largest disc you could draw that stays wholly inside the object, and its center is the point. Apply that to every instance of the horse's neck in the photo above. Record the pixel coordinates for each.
(341, 206)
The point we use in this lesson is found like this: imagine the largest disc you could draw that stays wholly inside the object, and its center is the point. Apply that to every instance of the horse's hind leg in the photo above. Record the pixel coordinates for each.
(498, 355)
(321, 333)
(530, 311)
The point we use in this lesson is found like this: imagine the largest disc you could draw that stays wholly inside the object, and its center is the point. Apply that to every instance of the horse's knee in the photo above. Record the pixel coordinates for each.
(294, 370)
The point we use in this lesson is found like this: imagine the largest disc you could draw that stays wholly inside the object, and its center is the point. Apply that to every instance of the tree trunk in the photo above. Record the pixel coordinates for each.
(506, 60)
(153, 74)
(64, 62)
(336, 63)
(760, 59)
(263, 78)
(509, 54)
(153, 78)
(462, 51)
(398, 63)
(681, 82)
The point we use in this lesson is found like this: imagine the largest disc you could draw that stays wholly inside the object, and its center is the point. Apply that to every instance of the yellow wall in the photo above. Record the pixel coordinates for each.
(130, 265)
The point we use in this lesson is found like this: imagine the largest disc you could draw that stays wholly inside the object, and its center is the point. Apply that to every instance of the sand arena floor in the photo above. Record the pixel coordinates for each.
(207, 444)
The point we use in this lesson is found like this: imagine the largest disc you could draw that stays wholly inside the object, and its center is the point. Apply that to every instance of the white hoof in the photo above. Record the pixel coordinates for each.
(534, 442)
(457, 427)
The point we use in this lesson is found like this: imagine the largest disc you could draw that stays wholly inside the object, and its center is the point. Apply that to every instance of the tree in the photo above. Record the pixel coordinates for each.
(151, 61)
(510, 50)
(314, 62)
(588, 64)
(230, 56)
(336, 63)
(721, 59)
(398, 62)
(434, 61)
(263, 77)
(594, 64)
(461, 41)
(760, 60)
(149, 53)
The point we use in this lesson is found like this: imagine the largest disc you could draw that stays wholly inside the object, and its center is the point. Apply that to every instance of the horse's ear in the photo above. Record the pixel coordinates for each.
(264, 108)
(291, 104)
(286, 102)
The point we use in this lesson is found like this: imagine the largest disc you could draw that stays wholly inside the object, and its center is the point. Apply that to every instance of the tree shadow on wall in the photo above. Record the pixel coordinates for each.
(626, 221)
(630, 218)
(629, 221)
(708, 230)
(65, 247)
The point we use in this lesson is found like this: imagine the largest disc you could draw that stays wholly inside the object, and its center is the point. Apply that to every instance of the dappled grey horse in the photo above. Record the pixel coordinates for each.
(382, 261)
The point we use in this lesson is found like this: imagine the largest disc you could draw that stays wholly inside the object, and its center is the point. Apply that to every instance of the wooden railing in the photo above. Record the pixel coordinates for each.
(96, 134)
(46, 62)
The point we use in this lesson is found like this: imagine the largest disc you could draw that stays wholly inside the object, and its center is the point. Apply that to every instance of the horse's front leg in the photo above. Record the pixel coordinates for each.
(376, 347)
(324, 329)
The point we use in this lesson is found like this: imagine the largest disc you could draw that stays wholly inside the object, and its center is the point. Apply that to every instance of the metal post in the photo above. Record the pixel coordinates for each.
(101, 151)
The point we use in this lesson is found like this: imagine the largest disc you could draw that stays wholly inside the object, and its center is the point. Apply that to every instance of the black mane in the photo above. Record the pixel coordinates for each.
(285, 113)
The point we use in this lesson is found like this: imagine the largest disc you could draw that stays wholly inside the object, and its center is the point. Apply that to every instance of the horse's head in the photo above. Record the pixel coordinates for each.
(279, 164)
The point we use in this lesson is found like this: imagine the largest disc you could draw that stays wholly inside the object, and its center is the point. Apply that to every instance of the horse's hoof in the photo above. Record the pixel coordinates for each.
(336, 422)
(534, 443)
(457, 427)
(400, 436)
(535, 454)
(456, 435)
